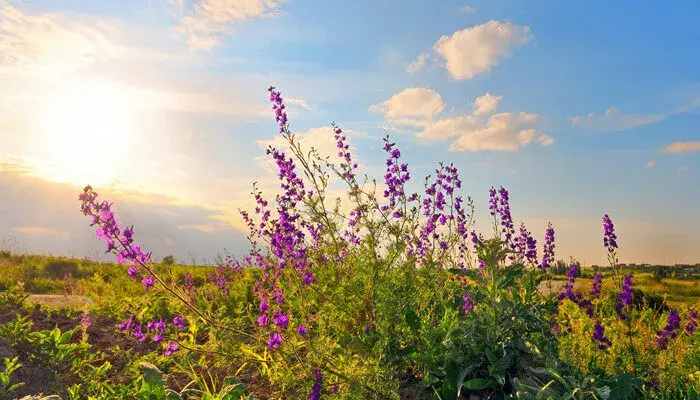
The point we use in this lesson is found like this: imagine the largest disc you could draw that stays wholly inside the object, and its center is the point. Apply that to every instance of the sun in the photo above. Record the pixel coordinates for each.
(84, 135)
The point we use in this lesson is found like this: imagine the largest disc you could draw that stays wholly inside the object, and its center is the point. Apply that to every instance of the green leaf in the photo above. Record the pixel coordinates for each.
(463, 374)
(477, 384)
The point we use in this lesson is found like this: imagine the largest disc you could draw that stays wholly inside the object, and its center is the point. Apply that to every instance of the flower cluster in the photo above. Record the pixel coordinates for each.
(673, 322)
(692, 322)
(155, 328)
(526, 245)
(108, 230)
(599, 336)
(278, 106)
(499, 204)
(442, 207)
(609, 237)
(597, 286)
(568, 292)
(468, 305)
(395, 178)
(624, 298)
(317, 387)
(548, 249)
(85, 321)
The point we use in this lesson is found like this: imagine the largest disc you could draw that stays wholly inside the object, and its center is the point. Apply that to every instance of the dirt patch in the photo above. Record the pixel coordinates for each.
(60, 300)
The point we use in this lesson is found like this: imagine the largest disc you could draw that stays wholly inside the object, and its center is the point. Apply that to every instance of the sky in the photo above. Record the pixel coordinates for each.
(577, 108)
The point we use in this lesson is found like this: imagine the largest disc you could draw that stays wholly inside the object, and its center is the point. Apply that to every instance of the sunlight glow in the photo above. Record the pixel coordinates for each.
(85, 134)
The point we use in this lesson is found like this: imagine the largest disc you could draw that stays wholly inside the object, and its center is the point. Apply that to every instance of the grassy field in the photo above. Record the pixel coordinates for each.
(58, 292)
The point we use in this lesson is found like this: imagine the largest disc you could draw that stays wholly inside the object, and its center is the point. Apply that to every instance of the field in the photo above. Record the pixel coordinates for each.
(390, 296)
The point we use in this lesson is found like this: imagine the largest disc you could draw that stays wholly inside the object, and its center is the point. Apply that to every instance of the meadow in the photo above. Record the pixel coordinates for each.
(390, 296)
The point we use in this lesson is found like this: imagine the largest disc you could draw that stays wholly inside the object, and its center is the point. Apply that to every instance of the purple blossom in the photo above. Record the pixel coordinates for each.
(624, 298)
(302, 330)
(179, 322)
(148, 282)
(692, 322)
(138, 333)
(468, 305)
(599, 336)
(548, 249)
(158, 327)
(568, 292)
(126, 324)
(317, 387)
(172, 347)
(262, 320)
(281, 320)
(85, 321)
(609, 237)
(673, 323)
(108, 229)
(274, 341)
(597, 285)
(278, 106)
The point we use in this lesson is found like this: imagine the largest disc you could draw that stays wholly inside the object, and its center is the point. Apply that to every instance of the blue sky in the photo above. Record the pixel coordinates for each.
(577, 108)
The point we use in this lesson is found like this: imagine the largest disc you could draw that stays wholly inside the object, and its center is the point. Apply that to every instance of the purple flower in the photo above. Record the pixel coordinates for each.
(597, 285)
(172, 347)
(624, 298)
(138, 333)
(126, 325)
(468, 305)
(281, 320)
(548, 250)
(599, 336)
(568, 292)
(316, 389)
(148, 282)
(302, 330)
(692, 322)
(262, 320)
(609, 237)
(85, 321)
(673, 322)
(278, 106)
(179, 322)
(274, 341)
(108, 229)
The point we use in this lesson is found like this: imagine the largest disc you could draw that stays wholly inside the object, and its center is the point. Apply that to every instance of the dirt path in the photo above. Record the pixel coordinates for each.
(60, 300)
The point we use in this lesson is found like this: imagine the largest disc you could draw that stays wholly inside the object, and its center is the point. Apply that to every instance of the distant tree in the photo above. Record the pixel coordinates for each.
(169, 260)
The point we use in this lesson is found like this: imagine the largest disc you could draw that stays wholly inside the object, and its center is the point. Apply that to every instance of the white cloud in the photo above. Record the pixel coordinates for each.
(212, 20)
(473, 51)
(613, 120)
(683, 147)
(418, 108)
(467, 9)
(502, 132)
(412, 106)
(486, 104)
(418, 64)
(52, 44)
(449, 127)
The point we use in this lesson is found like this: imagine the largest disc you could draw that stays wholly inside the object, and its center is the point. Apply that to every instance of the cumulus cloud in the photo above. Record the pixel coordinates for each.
(467, 9)
(502, 132)
(475, 50)
(212, 20)
(52, 43)
(612, 120)
(417, 64)
(412, 106)
(683, 147)
(476, 132)
(486, 104)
